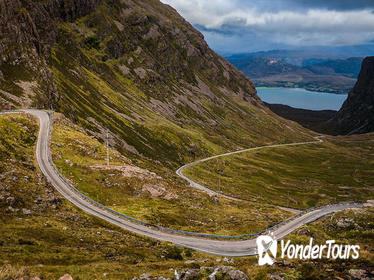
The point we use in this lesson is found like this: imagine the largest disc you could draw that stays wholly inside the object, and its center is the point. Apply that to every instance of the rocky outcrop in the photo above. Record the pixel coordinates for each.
(28, 31)
(33, 23)
(66, 277)
(210, 273)
(357, 113)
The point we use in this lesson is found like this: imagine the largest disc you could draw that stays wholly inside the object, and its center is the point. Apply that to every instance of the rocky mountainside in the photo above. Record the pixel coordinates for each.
(135, 68)
(357, 112)
(28, 31)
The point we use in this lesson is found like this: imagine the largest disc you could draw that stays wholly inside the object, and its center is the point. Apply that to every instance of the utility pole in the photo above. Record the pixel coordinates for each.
(107, 148)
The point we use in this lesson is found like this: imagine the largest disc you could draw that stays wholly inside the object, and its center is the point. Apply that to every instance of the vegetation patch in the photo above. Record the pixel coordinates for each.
(339, 169)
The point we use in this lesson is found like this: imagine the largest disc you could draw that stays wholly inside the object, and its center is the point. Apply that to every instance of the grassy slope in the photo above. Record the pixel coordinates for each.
(56, 238)
(166, 119)
(75, 153)
(339, 169)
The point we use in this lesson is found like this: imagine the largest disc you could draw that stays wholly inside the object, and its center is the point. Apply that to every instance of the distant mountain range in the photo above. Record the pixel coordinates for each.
(317, 71)
(295, 57)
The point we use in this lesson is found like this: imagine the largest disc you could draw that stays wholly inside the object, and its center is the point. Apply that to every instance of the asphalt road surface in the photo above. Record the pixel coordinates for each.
(200, 187)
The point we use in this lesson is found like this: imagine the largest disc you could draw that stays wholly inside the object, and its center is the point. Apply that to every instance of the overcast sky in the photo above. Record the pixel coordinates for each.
(232, 26)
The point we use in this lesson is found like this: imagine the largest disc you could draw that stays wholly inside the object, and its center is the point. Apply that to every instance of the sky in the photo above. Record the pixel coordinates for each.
(234, 26)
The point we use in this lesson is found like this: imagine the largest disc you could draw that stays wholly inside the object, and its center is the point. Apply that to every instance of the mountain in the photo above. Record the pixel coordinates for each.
(357, 112)
(336, 76)
(135, 68)
(362, 50)
(349, 67)
(295, 57)
(260, 67)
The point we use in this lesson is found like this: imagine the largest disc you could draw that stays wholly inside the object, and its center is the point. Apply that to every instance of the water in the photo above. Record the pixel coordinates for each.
(301, 98)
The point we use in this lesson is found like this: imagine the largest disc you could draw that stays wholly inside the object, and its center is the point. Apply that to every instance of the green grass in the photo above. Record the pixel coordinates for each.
(339, 169)
(56, 237)
(162, 116)
(75, 153)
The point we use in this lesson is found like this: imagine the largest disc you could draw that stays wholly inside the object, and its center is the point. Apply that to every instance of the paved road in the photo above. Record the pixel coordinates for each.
(216, 247)
(198, 186)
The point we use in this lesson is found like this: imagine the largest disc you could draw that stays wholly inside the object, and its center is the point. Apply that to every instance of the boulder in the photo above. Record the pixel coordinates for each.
(66, 277)
(359, 274)
(275, 276)
(345, 223)
(237, 275)
(303, 231)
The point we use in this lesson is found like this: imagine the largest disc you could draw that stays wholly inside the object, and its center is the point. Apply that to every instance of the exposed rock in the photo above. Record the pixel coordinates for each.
(227, 260)
(357, 113)
(275, 276)
(219, 272)
(345, 223)
(219, 269)
(142, 73)
(13, 210)
(147, 276)
(303, 231)
(237, 275)
(119, 25)
(129, 171)
(66, 277)
(189, 274)
(125, 70)
(69, 162)
(359, 274)
(26, 211)
(154, 190)
(53, 199)
(171, 196)
(29, 31)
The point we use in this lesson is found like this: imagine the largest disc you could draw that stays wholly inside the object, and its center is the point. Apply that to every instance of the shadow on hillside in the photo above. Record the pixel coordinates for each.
(317, 121)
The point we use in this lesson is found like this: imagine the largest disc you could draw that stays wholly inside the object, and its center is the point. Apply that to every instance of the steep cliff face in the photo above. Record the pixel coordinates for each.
(136, 68)
(28, 31)
(357, 112)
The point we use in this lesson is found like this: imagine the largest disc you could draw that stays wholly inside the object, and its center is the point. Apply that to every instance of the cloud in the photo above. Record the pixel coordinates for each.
(290, 22)
(334, 4)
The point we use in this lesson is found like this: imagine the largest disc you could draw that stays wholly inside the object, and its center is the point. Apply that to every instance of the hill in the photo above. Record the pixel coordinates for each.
(295, 57)
(136, 68)
(349, 67)
(335, 76)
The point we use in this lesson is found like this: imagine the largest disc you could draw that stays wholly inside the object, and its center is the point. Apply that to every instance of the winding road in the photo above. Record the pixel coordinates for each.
(200, 187)
(211, 246)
